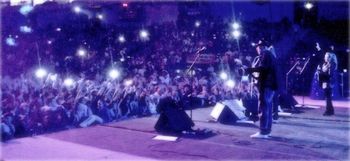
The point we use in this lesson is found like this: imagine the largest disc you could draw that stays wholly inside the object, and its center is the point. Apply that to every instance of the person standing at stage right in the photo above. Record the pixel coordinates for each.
(267, 85)
(326, 78)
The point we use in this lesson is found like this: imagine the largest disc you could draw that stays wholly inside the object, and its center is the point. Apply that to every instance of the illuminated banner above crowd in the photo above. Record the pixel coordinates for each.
(202, 59)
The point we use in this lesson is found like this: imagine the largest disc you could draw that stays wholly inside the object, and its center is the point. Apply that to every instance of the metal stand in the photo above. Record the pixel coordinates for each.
(301, 72)
(189, 69)
(287, 74)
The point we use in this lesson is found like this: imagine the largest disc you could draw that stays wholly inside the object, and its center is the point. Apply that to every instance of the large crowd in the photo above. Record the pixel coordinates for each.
(149, 70)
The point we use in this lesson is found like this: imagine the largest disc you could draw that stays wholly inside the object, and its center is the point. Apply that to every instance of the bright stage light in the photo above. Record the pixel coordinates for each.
(58, 29)
(113, 74)
(230, 83)
(236, 26)
(122, 59)
(144, 34)
(308, 5)
(345, 70)
(197, 23)
(125, 5)
(121, 39)
(178, 71)
(128, 82)
(223, 75)
(77, 9)
(68, 82)
(81, 52)
(236, 34)
(49, 42)
(40, 73)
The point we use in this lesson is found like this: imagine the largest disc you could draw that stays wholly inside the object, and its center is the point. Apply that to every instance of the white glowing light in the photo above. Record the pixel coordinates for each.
(121, 39)
(25, 29)
(230, 83)
(10, 41)
(144, 34)
(81, 52)
(58, 29)
(178, 70)
(113, 73)
(100, 16)
(49, 42)
(308, 5)
(345, 70)
(236, 34)
(68, 82)
(197, 23)
(236, 26)
(40, 73)
(125, 5)
(122, 59)
(128, 82)
(24, 10)
(77, 9)
(253, 44)
(223, 75)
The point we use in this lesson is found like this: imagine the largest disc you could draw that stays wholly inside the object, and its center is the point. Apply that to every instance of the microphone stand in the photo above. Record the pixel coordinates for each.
(301, 72)
(291, 69)
(188, 71)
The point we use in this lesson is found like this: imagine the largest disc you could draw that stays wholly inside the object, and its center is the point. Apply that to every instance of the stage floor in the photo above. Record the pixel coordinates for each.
(303, 136)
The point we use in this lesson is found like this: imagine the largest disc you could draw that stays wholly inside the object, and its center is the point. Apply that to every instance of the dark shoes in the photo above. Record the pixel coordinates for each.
(254, 118)
(328, 113)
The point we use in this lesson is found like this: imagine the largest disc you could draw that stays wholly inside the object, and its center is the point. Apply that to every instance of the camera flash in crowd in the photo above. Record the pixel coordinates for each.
(40, 73)
(223, 75)
(144, 34)
(77, 9)
(113, 74)
(68, 82)
(197, 23)
(128, 82)
(10, 41)
(236, 26)
(81, 52)
(121, 39)
(236, 34)
(100, 16)
(230, 83)
(308, 5)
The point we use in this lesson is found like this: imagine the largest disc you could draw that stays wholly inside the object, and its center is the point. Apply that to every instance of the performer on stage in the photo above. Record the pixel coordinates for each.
(267, 85)
(326, 79)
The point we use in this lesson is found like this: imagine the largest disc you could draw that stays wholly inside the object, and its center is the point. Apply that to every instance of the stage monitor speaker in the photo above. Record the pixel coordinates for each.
(228, 111)
(172, 118)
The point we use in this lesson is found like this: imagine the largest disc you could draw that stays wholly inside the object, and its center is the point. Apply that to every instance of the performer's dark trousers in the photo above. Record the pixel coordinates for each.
(329, 104)
(266, 99)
